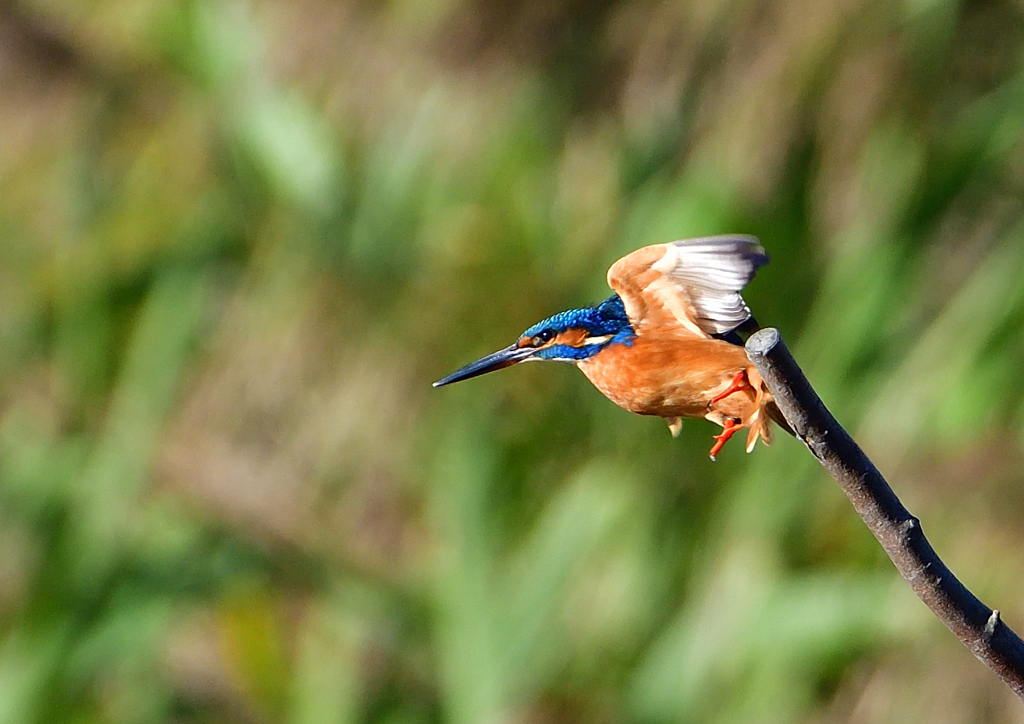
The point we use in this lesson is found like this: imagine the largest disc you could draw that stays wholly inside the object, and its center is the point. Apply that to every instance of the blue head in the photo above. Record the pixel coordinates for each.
(566, 337)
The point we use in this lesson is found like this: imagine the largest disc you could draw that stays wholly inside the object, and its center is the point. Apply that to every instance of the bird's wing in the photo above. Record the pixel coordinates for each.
(693, 283)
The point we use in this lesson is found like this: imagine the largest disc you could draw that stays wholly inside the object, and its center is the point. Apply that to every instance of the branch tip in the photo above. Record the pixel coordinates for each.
(763, 341)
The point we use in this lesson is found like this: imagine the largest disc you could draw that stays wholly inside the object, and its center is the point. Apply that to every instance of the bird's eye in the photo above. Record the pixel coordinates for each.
(543, 337)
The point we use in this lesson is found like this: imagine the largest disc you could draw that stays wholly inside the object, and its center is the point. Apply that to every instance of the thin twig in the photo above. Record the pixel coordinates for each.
(977, 626)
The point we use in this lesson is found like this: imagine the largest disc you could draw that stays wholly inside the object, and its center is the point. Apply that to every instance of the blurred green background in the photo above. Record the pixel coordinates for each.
(239, 239)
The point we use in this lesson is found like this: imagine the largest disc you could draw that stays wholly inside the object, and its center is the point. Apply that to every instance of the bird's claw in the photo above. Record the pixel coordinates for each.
(728, 430)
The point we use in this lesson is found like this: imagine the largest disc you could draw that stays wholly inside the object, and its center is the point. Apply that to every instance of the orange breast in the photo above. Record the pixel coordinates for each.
(669, 376)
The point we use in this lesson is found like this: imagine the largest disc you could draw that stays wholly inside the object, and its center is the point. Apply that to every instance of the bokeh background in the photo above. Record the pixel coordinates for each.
(239, 239)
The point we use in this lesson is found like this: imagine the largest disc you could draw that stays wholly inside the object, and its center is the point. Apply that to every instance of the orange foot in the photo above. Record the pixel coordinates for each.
(728, 430)
(739, 382)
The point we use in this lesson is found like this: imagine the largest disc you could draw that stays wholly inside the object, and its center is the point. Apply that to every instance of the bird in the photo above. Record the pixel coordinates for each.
(667, 343)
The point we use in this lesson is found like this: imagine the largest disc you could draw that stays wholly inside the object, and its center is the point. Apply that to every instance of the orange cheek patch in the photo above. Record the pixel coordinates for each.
(571, 337)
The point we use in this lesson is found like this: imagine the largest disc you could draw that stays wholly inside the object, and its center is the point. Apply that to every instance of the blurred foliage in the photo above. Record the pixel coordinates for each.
(241, 237)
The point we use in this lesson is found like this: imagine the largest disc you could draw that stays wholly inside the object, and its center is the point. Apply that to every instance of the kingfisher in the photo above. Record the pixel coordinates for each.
(666, 343)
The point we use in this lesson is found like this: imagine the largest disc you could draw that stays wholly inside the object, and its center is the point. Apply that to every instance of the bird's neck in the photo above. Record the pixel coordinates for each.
(609, 319)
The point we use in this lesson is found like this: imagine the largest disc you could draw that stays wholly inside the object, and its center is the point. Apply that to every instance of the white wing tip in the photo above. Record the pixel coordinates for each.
(743, 245)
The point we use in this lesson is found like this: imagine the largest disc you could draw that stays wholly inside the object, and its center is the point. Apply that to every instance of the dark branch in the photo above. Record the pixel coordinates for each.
(975, 624)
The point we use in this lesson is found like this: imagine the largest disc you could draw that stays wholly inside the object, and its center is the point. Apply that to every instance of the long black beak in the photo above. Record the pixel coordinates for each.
(497, 361)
